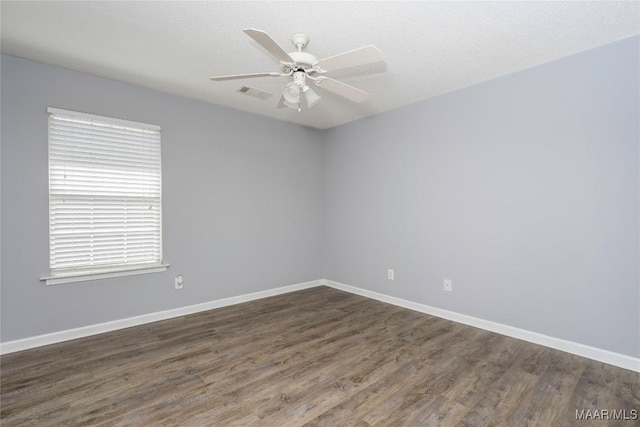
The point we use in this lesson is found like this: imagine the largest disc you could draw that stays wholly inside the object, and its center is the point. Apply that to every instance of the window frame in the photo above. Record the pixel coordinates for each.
(115, 270)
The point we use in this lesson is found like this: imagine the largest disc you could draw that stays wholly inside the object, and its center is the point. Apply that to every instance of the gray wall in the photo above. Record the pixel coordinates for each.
(241, 202)
(523, 190)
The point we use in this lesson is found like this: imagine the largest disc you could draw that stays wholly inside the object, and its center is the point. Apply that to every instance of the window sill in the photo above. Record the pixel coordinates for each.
(107, 274)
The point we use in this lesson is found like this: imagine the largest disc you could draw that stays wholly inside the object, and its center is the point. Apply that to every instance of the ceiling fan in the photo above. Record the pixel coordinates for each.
(303, 67)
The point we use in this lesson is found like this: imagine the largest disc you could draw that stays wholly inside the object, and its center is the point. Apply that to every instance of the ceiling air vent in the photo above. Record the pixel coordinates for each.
(257, 93)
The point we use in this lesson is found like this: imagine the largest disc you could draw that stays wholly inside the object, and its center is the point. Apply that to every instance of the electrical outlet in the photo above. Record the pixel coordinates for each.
(179, 283)
(448, 285)
(390, 274)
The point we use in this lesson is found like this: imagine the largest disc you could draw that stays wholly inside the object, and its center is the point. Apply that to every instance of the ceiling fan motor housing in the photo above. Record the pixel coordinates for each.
(303, 62)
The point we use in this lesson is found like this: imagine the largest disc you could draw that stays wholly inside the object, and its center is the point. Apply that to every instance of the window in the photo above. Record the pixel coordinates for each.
(104, 197)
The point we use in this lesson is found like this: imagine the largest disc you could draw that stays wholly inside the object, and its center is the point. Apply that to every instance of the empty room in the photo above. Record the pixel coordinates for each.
(321, 213)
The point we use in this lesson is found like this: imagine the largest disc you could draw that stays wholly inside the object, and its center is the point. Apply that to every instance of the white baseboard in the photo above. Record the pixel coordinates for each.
(85, 331)
(605, 356)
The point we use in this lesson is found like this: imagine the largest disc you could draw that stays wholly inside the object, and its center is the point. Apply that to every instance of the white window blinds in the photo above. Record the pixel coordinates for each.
(104, 194)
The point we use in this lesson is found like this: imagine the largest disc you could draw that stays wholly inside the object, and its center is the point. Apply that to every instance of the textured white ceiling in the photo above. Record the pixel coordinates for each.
(430, 48)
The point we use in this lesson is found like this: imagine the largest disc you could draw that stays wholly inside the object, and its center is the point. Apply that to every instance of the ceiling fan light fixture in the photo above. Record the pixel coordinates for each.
(310, 96)
(291, 105)
(291, 93)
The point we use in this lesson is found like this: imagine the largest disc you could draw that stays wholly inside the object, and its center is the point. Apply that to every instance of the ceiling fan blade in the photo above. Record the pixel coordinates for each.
(265, 40)
(342, 89)
(244, 76)
(281, 103)
(352, 58)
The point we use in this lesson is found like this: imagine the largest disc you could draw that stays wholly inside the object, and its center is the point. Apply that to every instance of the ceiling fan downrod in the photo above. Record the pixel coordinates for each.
(300, 41)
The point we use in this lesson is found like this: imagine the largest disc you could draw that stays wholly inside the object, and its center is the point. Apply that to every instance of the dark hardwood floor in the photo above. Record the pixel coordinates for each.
(314, 357)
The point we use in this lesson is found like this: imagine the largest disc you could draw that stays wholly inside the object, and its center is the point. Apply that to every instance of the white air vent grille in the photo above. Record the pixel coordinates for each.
(256, 93)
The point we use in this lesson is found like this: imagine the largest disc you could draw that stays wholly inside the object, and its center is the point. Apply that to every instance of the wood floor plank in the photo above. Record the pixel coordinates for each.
(316, 357)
